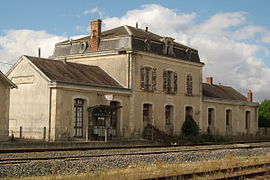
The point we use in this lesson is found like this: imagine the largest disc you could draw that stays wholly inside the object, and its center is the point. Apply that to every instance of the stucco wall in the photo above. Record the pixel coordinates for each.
(238, 117)
(4, 111)
(29, 103)
(62, 116)
(115, 65)
(159, 99)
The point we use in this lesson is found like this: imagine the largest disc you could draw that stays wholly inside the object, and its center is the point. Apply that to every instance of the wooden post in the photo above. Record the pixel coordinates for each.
(20, 132)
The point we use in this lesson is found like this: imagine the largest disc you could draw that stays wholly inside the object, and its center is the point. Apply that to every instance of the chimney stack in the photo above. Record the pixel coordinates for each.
(209, 80)
(95, 34)
(249, 96)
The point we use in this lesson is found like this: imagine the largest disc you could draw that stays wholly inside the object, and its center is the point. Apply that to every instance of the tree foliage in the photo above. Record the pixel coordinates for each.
(264, 114)
(190, 127)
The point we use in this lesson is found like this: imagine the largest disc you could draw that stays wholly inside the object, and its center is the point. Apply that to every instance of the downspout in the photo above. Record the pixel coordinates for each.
(129, 69)
(50, 101)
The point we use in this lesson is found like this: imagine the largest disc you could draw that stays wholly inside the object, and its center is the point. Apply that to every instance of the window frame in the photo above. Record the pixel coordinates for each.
(78, 117)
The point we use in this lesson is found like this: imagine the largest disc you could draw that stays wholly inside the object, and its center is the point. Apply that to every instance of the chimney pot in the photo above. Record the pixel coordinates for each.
(95, 34)
(146, 29)
(209, 80)
(249, 96)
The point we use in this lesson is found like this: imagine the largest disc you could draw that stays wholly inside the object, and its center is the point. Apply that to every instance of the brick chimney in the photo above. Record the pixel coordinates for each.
(209, 80)
(95, 34)
(249, 96)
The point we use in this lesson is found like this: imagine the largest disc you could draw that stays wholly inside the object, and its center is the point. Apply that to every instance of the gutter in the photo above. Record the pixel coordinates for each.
(230, 100)
(94, 86)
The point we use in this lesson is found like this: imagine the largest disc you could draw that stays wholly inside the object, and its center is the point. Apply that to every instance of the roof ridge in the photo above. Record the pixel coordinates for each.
(59, 61)
(128, 30)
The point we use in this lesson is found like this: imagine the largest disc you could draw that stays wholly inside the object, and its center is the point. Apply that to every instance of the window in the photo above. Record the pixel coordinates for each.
(169, 119)
(247, 120)
(147, 114)
(148, 79)
(78, 112)
(211, 116)
(228, 117)
(170, 82)
(189, 85)
(168, 115)
(189, 111)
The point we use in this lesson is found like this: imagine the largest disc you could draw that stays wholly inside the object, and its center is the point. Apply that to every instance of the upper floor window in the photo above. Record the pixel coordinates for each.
(148, 79)
(189, 85)
(169, 82)
(78, 113)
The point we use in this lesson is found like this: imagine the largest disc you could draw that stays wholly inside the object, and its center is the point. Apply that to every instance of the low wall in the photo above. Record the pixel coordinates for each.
(264, 131)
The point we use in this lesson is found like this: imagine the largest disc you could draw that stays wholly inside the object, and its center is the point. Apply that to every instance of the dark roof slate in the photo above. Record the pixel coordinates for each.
(222, 92)
(60, 71)
(4, 79)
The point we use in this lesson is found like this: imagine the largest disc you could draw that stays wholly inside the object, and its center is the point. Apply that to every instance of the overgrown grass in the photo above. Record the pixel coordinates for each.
(159, 169)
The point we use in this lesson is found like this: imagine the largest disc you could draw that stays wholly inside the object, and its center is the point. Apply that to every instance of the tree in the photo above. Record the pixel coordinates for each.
(264, 114)
(190, 127)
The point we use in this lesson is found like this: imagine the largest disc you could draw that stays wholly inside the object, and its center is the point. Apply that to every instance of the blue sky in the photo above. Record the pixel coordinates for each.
(232, 36)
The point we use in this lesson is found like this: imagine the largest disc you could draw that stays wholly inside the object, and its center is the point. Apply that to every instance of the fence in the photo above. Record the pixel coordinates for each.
(29, 133)
(264, 131)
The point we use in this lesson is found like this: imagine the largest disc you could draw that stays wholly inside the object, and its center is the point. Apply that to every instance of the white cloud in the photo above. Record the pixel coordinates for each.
(18, 42)
(96, 10)
(228, 59)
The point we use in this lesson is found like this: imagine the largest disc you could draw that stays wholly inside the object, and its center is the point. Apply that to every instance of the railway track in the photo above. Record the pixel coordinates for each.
(241, 172)
(85, 148)
(141, 152)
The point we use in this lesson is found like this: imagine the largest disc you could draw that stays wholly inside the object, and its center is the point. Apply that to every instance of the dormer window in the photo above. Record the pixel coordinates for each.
(168, 46)
(147, 44)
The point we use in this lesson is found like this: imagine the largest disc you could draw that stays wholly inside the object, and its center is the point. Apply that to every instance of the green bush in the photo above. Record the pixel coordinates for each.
(264, 114)
(190, 127)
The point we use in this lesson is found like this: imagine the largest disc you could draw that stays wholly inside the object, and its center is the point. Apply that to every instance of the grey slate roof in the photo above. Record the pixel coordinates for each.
(6, 81)
(67, 72)
(126, 38)
(221, 92)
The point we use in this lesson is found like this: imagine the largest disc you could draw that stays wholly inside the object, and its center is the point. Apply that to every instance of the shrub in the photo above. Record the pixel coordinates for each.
(190, 127)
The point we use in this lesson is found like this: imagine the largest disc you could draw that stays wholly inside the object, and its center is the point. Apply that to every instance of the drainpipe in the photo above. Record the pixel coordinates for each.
(50, 101)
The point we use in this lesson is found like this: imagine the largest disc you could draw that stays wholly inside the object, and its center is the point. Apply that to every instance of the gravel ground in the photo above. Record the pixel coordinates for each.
(60, 167)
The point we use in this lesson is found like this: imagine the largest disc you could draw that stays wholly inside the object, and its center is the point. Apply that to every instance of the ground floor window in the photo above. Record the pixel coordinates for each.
(189, 111)
(169, 119)
(228, 121)
(211, 116)
(147, 114)
(78, 113)
(247, 120)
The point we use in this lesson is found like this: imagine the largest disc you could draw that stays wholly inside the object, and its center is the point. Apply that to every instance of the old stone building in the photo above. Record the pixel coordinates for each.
(112, 84)
(5, 86)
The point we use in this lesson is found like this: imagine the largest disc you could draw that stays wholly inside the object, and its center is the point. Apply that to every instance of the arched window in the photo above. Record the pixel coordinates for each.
(147, 114)
(189, 85)
(211, 116)
(189, 111)
(228, 121)
(78, 116)
(247, 120)
(169, 119)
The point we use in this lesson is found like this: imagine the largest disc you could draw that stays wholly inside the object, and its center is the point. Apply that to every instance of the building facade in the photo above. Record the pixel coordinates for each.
(5, 86)
(146, 79)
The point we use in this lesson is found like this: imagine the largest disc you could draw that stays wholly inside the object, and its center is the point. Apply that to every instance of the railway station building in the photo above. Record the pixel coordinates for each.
(112, 84)
(5, 86)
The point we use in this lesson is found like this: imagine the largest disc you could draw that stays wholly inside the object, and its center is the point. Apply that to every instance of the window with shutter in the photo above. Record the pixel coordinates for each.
(189, 85)
(142, 78)
(165, 82)
(154, 79)
(175, 82)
